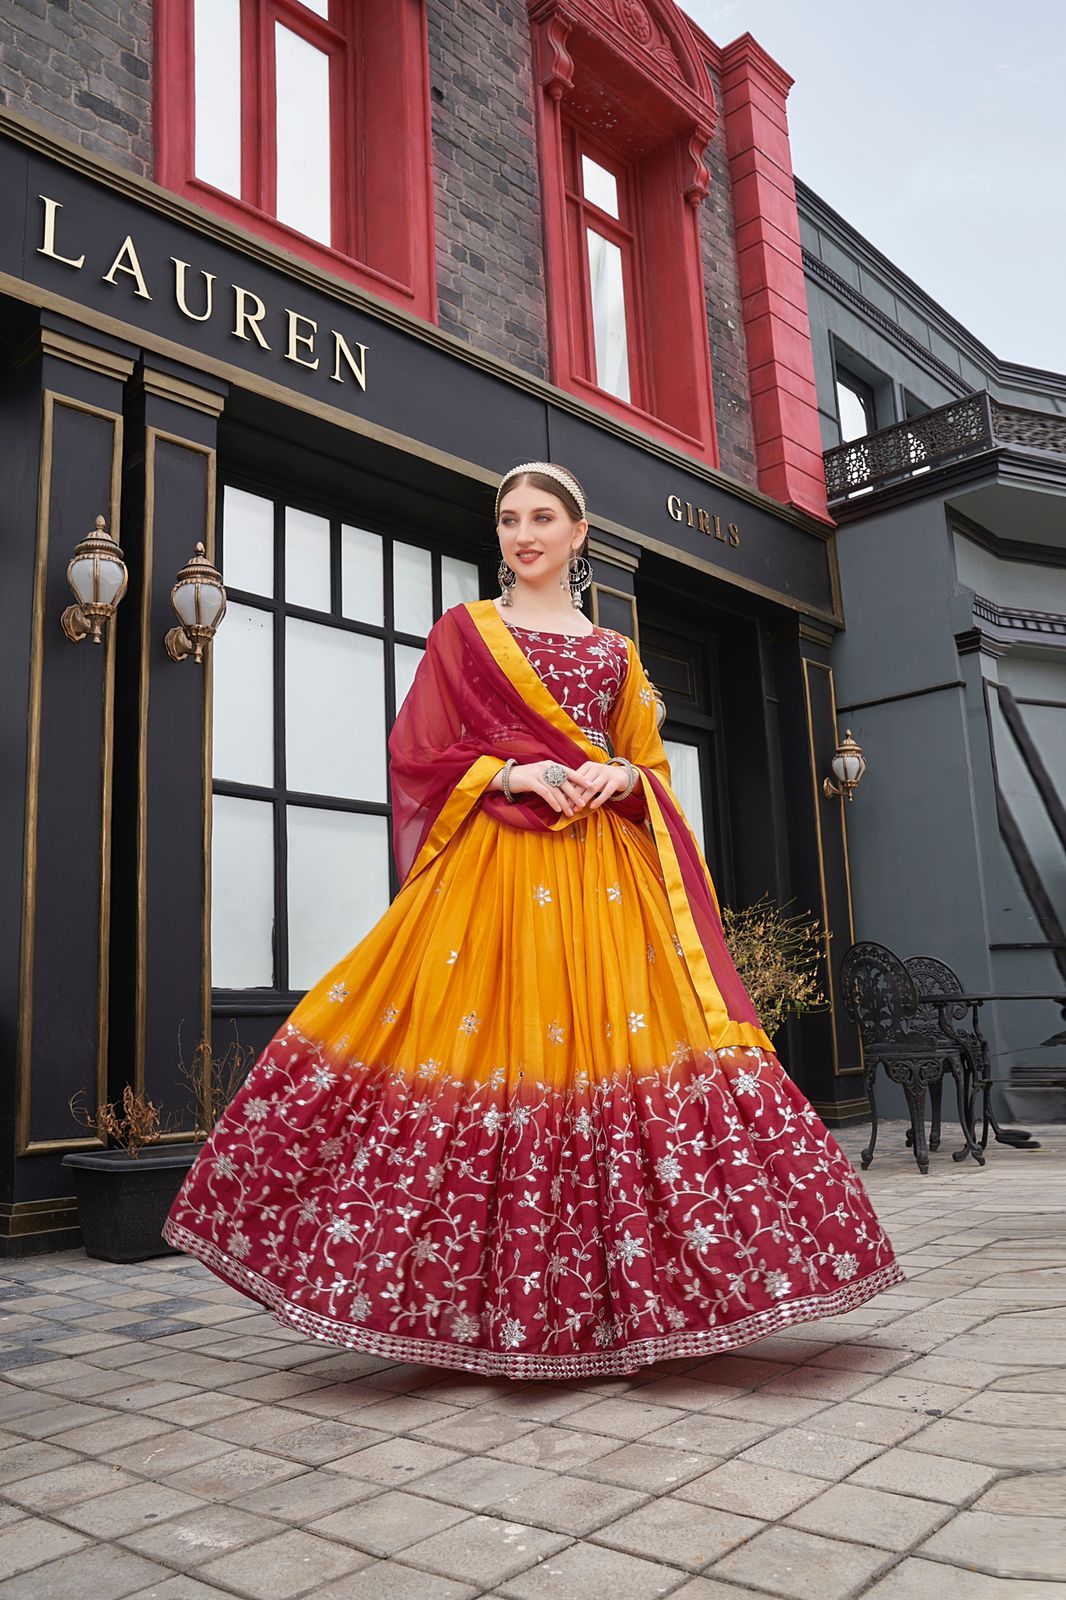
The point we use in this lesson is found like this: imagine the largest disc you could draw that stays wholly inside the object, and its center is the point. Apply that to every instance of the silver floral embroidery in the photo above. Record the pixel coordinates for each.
(389, 1016)
(470, 1023)
(635, 1021)
(338, 993)
(614, 892)
(542, 895)
(556, 1033)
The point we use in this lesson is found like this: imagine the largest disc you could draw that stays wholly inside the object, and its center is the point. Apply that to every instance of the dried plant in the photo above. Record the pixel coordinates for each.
(131, 1127)
(777, 957)
(213, 1079)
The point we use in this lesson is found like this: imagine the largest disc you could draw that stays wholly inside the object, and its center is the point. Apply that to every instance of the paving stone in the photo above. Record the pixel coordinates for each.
(593, 1573)
(570, 1505)
(563, 1449)
(685, 1392)
(1036, 1494)
(709, 1434)
(163, 1453)
(313, 1494)
(402, 1413)
(113, 1434)
(628, 1419)
(929, 1477)
(291, 1563)
(714, 1589)
(915, 1579)
(870, 1516)
(476, 1428)
(541, 1402)
(107, 1516)
(820, 1383)
(752, 1490)
(104, 1573)
(202, 1535)
(31, 1541)
(1006, 1546)
(995, 1446)
(491, 1547)
(391, 1580)
(26, 1460)
(678, 1532)
(803, 1566)
(476, 1482)
(227, 1476)
(275, 1386)
(196, 1409)
(820, 1455)
(854, 1419)
(41, 1425)
(863, 1358)
(914, 1393)
(389, 1522)
(777, 1410)
(67, 1486)
(1039, 1410)
(396, 1462)
(656, 1469)
(181, 1587)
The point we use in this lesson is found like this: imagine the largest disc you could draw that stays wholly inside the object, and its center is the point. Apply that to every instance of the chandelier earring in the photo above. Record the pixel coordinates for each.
(579, 577)
(507, 583)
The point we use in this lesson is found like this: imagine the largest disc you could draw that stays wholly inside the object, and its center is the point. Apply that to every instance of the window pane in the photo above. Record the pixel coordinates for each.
(687, 783)
(217, 48)
(608, 315)
(242, 696)
(600, 186)
(459, 581)
(319, 7)
(362, 597)
(407, 659)
(853, 418)
(334, 712)
(338, 887)
(303, 188)
(306, 560)
(242, 893)
(412, 581)
(248, 541)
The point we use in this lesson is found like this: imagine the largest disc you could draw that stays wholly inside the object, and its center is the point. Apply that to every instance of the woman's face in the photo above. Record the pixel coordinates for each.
(537, 535)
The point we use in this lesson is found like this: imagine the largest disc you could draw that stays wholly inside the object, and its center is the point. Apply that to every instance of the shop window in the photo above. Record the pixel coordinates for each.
(305, 120)
(625, 111)
(326, 623)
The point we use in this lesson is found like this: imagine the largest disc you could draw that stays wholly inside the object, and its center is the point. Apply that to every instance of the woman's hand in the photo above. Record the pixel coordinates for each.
(601, 781)
(566, 798)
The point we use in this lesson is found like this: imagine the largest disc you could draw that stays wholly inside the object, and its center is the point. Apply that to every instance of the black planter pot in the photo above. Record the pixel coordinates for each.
(123, 1200)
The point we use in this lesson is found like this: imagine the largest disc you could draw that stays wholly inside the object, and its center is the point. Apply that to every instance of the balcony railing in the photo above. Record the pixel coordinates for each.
(969, 427)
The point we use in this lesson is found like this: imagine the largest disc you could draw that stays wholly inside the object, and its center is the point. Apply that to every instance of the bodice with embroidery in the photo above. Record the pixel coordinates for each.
(584, 672)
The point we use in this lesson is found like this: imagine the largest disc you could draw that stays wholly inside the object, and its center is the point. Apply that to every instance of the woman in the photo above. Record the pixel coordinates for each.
(530, 1125)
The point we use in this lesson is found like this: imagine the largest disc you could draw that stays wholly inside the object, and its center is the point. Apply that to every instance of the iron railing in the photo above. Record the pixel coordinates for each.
(973, 426)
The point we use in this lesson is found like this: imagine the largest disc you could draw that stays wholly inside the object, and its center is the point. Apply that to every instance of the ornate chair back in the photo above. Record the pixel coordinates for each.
(878, 994)
(935, 977)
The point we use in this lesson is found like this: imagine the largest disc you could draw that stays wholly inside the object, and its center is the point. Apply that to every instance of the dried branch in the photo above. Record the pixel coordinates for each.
(777, 957)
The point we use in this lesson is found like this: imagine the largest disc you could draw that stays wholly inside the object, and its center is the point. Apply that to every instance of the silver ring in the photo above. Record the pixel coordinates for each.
(555, 775)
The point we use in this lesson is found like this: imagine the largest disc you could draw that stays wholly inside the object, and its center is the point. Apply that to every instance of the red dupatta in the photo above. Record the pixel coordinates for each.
(476, 700)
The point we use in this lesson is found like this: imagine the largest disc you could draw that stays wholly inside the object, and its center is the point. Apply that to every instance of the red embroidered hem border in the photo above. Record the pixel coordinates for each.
(518, 1364)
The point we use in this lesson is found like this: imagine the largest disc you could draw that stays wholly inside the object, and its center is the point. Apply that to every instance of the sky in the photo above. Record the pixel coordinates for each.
(938, 130)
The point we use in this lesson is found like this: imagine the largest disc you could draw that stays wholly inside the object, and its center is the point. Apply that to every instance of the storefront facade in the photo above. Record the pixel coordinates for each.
(189, 847)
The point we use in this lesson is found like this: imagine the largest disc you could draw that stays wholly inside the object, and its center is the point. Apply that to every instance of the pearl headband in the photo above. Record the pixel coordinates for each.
(569, 483)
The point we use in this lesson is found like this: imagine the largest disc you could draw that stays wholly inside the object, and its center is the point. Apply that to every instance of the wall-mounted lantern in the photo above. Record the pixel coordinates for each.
(199, 602)
(848, 764)
(97, 574)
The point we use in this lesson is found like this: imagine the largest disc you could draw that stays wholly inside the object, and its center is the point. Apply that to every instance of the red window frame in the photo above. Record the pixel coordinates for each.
(381, 202)
(624, 231)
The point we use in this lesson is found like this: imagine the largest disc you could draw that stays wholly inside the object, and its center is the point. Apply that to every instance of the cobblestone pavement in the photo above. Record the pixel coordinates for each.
(162, 1437)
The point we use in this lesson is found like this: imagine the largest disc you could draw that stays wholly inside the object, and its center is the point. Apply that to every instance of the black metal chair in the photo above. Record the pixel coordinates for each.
(933, 977)
(879, 996)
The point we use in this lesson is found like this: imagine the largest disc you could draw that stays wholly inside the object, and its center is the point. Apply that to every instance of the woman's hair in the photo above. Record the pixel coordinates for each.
(551, 485)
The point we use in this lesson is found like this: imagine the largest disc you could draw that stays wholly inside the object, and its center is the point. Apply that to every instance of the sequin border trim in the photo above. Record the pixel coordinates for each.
(514, 1364)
